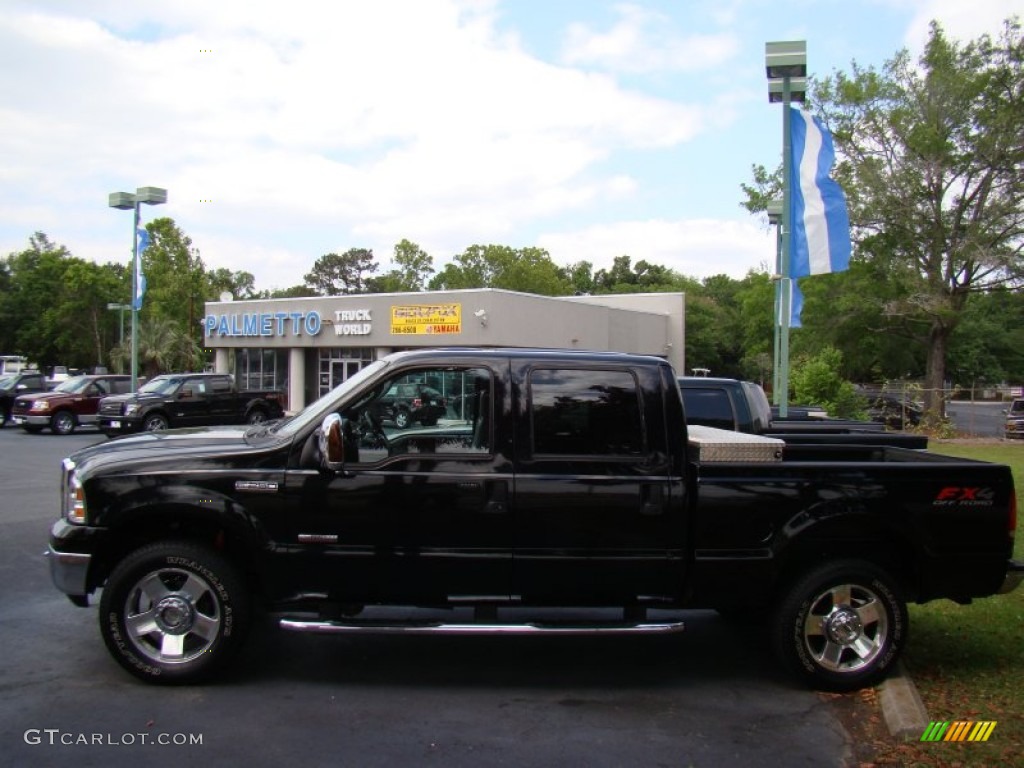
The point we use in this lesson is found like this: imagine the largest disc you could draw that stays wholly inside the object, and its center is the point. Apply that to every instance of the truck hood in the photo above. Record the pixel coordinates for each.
(178, 449)
(134, 397)
(48, 396)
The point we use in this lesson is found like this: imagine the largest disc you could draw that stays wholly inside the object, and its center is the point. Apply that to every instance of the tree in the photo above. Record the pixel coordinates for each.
(49, 297)
(241, 285)
(177, 286)
(932, 162)
(529, 270)
(163, 346)
(819, 381)
(413, 268)
(334, 274)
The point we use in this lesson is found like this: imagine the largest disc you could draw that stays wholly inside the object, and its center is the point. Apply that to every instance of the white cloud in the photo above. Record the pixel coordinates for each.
(696, 248)
(962, 21)
(643, 41)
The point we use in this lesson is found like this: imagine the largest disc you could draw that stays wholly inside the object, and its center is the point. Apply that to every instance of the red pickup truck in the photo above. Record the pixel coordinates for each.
(72, 404)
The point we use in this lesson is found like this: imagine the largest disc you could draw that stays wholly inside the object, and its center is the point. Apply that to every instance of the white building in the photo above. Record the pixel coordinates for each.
(307, 346)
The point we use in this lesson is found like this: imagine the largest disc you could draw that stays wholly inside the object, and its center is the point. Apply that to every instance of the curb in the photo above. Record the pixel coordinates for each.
(904, 711)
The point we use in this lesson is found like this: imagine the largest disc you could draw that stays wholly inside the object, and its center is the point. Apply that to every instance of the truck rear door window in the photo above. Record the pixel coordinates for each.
(586, 412)
(709, 407)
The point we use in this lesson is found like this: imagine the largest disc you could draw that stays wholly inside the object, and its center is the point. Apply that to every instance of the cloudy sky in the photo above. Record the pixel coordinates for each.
(284, 130)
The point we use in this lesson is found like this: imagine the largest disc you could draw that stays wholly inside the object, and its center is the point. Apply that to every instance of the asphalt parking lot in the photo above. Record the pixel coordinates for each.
(712, 696)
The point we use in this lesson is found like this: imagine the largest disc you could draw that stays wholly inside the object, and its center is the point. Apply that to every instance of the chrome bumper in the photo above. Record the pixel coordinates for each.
(1014, 576)
(69, 571)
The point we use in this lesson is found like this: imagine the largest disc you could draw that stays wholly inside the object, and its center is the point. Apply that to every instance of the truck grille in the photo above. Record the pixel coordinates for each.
(110, 409)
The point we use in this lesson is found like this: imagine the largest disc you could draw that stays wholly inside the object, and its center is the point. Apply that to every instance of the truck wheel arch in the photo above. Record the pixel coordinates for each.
(222, 527)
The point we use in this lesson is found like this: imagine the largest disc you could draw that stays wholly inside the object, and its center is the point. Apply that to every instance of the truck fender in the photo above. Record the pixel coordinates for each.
(182, 512)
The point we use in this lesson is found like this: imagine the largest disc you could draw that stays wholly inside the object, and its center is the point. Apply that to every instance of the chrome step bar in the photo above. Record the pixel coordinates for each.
(431, 628)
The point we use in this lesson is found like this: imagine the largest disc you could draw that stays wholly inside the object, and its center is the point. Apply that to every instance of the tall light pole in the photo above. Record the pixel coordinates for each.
(121, 308)
(127, 201)
(786, 66)
(775, 219)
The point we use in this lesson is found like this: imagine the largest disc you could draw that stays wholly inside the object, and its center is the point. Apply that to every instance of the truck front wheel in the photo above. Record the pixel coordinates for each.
(63, 423)
(173, 612)
(155, 422)
(842, 626)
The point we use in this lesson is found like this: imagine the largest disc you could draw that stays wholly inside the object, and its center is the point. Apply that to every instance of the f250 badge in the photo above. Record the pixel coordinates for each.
(256, 486)
(962, 496)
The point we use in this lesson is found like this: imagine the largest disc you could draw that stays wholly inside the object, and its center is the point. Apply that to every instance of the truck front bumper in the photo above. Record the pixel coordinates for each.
(70, 573)
(70, 555)
(118, 425)
(1014, 576)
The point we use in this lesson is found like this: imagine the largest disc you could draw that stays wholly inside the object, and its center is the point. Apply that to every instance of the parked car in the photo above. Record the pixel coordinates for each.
(1014, 428)
(21, 383)
(72, 404)
(894, 411)
(187, 400)
(410, 402)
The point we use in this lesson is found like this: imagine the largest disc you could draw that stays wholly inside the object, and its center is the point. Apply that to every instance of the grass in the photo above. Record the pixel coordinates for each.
(968, 661)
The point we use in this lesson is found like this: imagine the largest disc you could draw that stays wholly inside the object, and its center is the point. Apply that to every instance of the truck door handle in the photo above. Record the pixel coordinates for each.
(652, 499)
(497, 497)
(494, 492)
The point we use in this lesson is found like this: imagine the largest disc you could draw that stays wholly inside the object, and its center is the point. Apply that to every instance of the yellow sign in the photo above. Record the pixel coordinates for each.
(426, 319)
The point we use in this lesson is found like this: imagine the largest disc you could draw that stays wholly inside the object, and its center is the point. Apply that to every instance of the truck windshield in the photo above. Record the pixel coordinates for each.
(315, 412)
(161, 386)
(75, 384)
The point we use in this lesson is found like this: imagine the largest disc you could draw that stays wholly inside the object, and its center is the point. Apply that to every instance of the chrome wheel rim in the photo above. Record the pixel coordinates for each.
(846, 628)
(172, 616)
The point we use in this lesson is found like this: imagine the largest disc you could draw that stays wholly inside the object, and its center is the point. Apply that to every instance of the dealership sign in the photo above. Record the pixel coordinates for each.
(263, 324)
(426, 319)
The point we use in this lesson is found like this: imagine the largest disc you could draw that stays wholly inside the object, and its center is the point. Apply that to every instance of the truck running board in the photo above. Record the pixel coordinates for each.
(429, 628)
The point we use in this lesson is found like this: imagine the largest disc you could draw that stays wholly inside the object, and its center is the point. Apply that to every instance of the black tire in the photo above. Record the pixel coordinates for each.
(155, 422)
(63, 423)
(256, 416)
(5, 415)
(842, 626)
(401, 418)
(173, 612)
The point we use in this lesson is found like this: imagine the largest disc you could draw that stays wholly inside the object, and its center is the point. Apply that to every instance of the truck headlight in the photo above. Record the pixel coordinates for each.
(72, 494)
(131, 409)
(40, 405)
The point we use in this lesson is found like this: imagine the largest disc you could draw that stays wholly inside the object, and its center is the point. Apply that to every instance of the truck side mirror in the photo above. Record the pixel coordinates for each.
(332, 446)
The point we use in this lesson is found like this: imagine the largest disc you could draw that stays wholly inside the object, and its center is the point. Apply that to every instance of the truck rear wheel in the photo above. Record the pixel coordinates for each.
(173, 612)
(256, 416)
(842, 626)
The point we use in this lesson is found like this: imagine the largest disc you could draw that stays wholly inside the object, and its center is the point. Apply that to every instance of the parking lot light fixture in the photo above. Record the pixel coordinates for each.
(786, 67)
(127, 201)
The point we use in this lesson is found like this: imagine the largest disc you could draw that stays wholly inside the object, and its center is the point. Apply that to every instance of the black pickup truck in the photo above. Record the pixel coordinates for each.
(186, 400)
(742, 406)
(566, 480)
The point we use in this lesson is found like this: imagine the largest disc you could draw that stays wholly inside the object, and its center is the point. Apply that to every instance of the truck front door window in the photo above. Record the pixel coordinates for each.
(423, 412)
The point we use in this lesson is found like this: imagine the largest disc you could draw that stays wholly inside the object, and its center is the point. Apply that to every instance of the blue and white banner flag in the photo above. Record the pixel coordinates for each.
(796, 304)
(790, 303)
(140, 279)
(819, 224)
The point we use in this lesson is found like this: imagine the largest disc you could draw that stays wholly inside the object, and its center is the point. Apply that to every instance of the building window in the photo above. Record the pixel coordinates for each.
(262, 369)
(337, 364)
